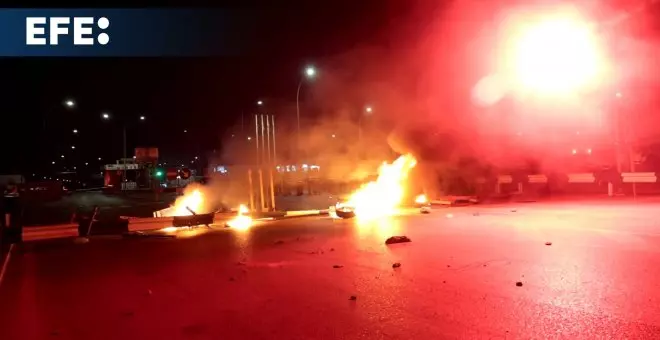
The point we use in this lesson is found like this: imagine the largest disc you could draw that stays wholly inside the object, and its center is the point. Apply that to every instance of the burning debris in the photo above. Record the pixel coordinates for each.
(421, 200)
(242, 221)
(191, 203)
(381, 197)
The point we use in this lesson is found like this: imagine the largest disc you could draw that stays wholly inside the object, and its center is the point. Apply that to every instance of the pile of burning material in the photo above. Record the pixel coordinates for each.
(185, 211)
(242, 221)
(381, 197)
(423, 203)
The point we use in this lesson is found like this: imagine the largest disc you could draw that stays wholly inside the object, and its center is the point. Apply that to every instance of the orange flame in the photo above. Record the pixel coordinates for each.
(193, 200)
(241, 221)
(384, 195)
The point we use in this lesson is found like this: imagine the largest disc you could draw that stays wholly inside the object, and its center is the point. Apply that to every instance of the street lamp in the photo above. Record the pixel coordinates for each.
(310, 73)
(73, 147)
(260, 102)
(106, 116)
(75, 131)
(69, 103)
(368, 110)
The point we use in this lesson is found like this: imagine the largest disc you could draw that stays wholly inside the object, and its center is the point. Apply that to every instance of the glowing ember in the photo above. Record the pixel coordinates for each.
(421, 199)
(193, 200)
(382, 196)
(241, 221)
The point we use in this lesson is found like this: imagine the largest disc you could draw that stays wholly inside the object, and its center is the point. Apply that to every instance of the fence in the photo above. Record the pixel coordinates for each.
(605, 182)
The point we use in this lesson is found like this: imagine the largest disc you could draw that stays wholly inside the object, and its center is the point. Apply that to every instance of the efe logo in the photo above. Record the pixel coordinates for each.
(35, 30)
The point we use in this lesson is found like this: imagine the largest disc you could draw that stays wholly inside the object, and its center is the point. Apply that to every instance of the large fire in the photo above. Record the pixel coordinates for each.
(384, 195)
(193, 200)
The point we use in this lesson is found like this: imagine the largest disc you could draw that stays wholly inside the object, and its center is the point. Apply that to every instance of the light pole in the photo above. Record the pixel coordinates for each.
(368, 110)
(106, 116)
(310, 73)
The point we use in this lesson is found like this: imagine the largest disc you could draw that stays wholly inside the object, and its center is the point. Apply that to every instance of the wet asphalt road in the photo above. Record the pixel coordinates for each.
(598, 279)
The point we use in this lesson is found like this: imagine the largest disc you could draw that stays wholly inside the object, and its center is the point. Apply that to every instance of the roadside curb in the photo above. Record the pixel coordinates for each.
(45, 232)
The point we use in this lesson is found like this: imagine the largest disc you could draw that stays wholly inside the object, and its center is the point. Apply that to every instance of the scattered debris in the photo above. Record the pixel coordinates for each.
(513, 210)
(396, 265)
(485, 265)
(241, 263)
(475, 214)
(425, 210)
(338, 266)
(397, 239)
(548, 243)
(448, 266)
(231, 278)
(518, 284)
(149, 292)
(444, 281)
(279, 242)
(332, 249)
(353, 298)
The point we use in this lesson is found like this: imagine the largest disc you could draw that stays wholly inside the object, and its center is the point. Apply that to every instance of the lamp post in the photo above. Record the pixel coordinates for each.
(310, 73)
(106, 116)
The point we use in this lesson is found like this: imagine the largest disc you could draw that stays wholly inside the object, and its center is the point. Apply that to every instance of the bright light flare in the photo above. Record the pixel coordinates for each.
(241, 221)
(384, 195)
(552, 53)
(421, 199)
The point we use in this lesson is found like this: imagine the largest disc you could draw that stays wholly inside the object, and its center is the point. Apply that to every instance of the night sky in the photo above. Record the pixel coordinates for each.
(204, 96)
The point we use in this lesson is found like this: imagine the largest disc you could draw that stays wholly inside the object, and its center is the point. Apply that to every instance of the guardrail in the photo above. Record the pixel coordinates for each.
(605, 182)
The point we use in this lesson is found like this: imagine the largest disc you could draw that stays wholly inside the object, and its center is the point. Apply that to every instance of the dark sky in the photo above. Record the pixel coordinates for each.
(205, 96)
(202, 95)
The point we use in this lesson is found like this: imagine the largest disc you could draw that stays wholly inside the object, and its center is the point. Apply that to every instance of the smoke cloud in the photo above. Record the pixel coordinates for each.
(420, 85)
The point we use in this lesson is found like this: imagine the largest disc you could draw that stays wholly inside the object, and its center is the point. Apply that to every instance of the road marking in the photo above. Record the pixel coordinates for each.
(5, 263)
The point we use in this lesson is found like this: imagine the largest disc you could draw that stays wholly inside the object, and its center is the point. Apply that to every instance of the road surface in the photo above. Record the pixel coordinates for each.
(598, 278)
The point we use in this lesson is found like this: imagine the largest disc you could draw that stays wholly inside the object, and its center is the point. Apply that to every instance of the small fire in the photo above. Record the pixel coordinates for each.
(241, 221)
(421, 199)
(382, 196)
(193, 200)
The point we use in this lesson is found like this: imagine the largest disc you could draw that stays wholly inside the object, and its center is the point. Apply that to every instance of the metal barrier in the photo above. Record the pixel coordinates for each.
(639, 177)
(582, 178)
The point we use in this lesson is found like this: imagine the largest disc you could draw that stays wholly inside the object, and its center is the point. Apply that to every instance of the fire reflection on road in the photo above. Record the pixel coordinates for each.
(380, 228)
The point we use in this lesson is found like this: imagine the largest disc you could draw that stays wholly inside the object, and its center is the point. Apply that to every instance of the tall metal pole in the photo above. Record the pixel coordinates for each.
(274, 149)
(261, 189)
(256, 136)
(123, 184)
(251, 189)
(298, 119)
(263, 139)
(268, 138)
